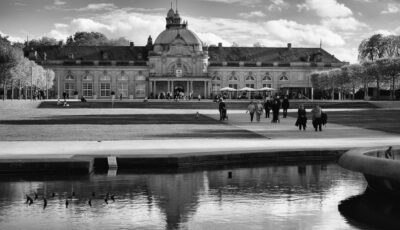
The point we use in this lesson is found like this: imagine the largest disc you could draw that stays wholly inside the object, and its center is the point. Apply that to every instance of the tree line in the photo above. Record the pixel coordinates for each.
(80, 39)
(379, 58)
(18, 72)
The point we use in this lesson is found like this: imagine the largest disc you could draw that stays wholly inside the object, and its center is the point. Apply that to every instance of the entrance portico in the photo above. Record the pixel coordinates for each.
(195, 86)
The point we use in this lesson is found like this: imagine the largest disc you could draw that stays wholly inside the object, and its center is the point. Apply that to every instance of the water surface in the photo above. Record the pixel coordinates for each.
(269, 197)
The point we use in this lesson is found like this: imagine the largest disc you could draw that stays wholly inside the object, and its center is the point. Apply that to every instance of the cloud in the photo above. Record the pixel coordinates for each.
(327, 9)
(19, 4)
(392, 8)
(12, 38)
(349, 23)
(137, 26)
(303, 35)
(277, 5)
(252, 14)
(248, 3)
(59, 3)
(98, 7)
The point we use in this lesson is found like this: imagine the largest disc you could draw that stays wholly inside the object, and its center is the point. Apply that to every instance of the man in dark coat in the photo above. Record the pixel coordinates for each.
(276, 106)
(285, 106)
(222, 110)
(267, 107)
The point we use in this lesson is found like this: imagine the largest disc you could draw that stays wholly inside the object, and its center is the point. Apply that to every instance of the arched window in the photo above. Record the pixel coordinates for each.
(69, 76)
(105, 78)
(123, 76)
(267, 77)
(216, 77)
(284, 77)
(250, 78)
(88, 77)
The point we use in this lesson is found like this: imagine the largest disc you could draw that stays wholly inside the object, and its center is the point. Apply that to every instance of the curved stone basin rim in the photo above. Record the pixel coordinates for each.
(365, 160)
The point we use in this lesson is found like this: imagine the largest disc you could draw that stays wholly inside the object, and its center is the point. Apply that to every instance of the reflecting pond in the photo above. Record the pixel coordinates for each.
(267, 197)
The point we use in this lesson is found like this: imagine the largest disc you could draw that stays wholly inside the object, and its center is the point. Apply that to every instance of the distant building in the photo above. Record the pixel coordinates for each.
(178, 61)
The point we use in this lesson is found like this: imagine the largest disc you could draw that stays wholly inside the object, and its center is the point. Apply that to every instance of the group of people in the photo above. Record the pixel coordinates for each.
(273, 104)
(319, 118)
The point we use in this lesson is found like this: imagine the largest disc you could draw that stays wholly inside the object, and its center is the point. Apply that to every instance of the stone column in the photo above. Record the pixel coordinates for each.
(155, 89)
(187, 88)
(205, 89)
(169, 86)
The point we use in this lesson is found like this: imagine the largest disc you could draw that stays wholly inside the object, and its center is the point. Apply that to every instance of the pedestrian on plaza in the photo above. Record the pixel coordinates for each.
(199, 97)
(64, 95)
(251, 109)
(259, 110)
(317, 118)
(222, 110)
(285, 106)
(267, 107)
(276, 106)
(301, 117)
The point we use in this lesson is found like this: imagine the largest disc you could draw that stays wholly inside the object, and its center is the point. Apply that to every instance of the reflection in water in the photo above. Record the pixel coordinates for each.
(273, 197)
(372, 210)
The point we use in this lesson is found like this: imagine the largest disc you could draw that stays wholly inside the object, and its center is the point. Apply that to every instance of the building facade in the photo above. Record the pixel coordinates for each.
(178, 62)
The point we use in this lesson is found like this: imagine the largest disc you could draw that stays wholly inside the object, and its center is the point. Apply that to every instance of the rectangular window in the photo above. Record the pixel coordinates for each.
(267, 85)
(233, 86)
(122, 89)
(216, 87)
(69, 88)
(87, 89)
(250, 85)
(140, 89)
(105, 89)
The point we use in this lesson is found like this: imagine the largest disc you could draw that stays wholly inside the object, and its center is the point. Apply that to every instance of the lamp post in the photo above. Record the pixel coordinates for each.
(31, 82)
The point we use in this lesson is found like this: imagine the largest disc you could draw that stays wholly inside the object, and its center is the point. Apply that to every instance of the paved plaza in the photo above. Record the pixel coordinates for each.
(31, 133)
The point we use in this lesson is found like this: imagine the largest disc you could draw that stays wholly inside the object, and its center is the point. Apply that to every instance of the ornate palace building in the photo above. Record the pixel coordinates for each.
(178, 61)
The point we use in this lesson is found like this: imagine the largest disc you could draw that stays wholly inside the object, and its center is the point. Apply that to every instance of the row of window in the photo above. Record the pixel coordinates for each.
(251, 78)
(217, 87)
(102, 78)
(105, 89)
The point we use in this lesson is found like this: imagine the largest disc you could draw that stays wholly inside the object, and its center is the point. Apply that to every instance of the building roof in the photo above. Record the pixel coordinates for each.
(169, 35)
(270, 54)
(216, 54)
(136, 53)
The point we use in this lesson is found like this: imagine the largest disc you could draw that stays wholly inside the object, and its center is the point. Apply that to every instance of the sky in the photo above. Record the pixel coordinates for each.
(339, 25)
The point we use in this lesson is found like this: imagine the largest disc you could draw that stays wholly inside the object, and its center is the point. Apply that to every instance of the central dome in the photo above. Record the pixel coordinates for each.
(168, 36)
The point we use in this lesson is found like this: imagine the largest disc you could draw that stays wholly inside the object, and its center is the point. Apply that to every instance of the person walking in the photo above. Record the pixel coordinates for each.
(251, 109)
(317, 118)
(285, 106)
(301, 117)
(222, 110)
(267, 107)
(259, 110)
(276, 106)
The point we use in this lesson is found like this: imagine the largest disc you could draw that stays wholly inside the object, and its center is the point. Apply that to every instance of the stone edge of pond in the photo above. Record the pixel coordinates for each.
(87, 164)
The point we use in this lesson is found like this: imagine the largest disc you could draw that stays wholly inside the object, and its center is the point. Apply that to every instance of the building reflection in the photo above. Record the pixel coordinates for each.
(177, 195)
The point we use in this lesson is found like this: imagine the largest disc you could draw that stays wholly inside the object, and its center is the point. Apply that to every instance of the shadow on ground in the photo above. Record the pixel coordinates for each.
(212, 133)
(124, 119)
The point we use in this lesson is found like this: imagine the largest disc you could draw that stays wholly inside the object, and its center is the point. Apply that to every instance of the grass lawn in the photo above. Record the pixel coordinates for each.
(82, 124)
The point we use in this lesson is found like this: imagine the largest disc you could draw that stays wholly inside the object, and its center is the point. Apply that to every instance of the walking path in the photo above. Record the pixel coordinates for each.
(283, 136)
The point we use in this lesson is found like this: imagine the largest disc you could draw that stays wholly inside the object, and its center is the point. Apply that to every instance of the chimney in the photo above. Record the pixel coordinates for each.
(131, 44)
(289, 45)
(220, 44)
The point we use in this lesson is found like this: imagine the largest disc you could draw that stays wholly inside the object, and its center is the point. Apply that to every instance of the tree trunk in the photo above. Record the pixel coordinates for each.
(393, 83)
(333, 94)
(12, 89)
(26, 92)
(354, 92)
(4, 90)
(365, 91)
(378, 94)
